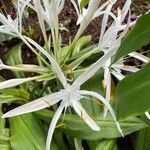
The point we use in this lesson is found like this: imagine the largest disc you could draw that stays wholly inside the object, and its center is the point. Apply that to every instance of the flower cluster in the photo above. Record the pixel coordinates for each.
(71, 94)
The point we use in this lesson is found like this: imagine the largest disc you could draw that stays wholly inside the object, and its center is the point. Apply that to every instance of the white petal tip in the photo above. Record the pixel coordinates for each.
(1, 64)
(119, 128)
(94, 126)
(7, 115)
(3, 116)
(105, 113)
(97, 128)
(147, 115)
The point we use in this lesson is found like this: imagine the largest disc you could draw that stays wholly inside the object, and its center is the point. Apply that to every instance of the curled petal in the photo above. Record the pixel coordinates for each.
(82, 113)
(35, 105)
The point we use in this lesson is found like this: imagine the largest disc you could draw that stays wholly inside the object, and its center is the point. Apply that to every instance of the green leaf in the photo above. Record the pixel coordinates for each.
(94, 84)
(27, 133)
(83, 3)
(14, 57)
(83, 41)
(107, 145)
(13, 94)
(1, 79)
(132, 95)
(143, 137)
(5, 37)
(82, 56)
(4, 139)
(139, 36)
(4, 134)
(74, 126)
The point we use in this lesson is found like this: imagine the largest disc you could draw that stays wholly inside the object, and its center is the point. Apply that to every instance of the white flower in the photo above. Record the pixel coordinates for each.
(69, 96)
(10, 26)
(47, 11)
(111, 38)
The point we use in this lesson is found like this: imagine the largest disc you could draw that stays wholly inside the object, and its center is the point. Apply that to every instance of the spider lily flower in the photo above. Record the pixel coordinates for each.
(47, 11)
(69, 96)
(10, 26)
(111, 38)
(14, 27)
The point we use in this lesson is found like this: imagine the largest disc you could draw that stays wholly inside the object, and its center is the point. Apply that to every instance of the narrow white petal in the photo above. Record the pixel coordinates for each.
(104, 12)
(105, 20)
(147, 115)
(1, 65)
(128, 68)
(102, 99)
(108, 89)
(130, 25)
(56, 67)
(3, 19)
(82, 113)
(102, 7)
(94, 68)
(7, 31)
(76, 7)
(14, 82)
(125, 9)
(140, 57)
(47, 6)
(35, 105)
(39, 10)
(61, 6)
(92, 7)
(53, 125)
(125, 30)
(21, 10)
(118, 75)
